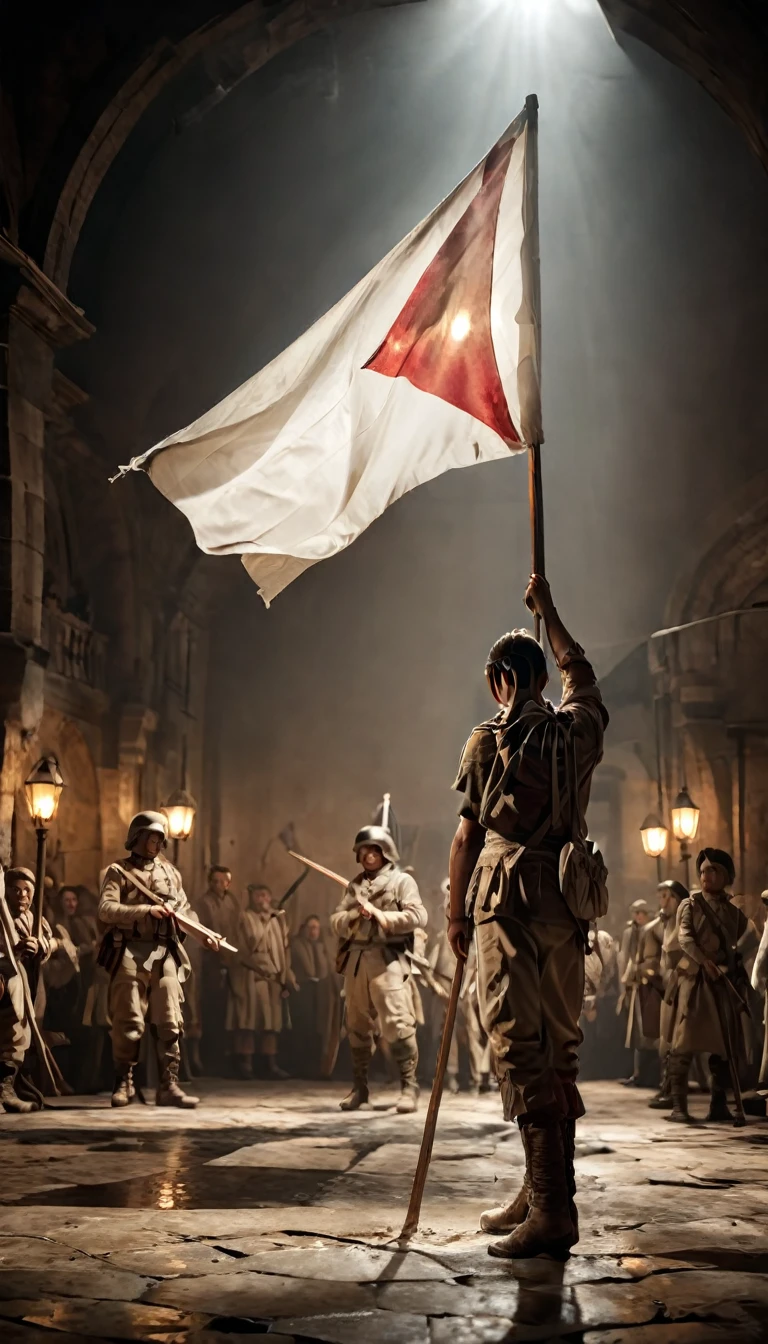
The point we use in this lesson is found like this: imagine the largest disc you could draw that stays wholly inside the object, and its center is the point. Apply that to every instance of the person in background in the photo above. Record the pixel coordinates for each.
(375, 922)
(630, 976)
(145, 958)
(708, 1012)
(32, 953)
(671, 894)
(314, 1008)
(218, 909)
(261, 982)
(469, 1029)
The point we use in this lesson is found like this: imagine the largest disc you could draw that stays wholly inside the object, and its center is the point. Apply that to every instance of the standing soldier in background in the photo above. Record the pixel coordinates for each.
(670, 895)
(525, 777)
(219, 909)
(374, 923)
(146, 960)
(15, 1027)
(708, 1012)
(261, 981)
(443, 964)
(629, 959)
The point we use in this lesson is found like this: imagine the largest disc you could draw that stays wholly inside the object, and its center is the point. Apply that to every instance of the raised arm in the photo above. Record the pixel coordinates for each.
(568, 654)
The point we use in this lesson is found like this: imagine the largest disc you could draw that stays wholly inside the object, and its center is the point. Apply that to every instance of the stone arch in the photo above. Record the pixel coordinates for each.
(732, 572)
(246, 40)
(74, 843)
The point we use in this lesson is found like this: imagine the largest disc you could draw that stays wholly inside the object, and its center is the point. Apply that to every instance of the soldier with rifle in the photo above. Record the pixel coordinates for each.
(706, 994)
(374, 923)
(144, 916)
(522, 869)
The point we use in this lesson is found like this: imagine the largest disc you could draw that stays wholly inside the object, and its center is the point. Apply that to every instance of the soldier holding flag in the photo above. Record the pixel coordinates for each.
(521, 869)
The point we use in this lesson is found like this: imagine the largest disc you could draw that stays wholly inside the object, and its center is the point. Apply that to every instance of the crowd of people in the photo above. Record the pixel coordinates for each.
(683, 991)
(259, 1002)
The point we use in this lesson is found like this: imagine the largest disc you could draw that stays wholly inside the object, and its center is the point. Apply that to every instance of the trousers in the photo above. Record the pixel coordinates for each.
(378, 999)
(137, 995)
(530, 986)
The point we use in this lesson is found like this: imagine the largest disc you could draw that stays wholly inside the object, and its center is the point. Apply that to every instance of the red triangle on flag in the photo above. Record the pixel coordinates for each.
(441, 341)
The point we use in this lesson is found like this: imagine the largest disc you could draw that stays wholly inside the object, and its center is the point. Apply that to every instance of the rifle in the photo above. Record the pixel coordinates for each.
(185, 922)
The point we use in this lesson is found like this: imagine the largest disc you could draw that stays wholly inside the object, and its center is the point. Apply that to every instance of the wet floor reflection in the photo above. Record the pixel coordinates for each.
(191, 1187)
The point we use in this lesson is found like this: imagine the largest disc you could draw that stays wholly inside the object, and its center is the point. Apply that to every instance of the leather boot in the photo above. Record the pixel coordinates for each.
(569, 1147)
(169, 1093)
(549, 1228)
(663, 1099)
(274, 1071)
(506, 1217)
(678, 1085)
(358, 1097)
(407, 1055)
(719, 1112)
(123, 1090)
(452, 1084)
(8, 1098)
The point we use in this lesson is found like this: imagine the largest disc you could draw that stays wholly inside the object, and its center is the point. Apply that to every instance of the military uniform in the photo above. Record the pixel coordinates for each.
(469, 1026)
(15, 1026)
(147, 964)
(222, 915)
(530, 948)
(258, 980)
(704, 1014)
(376, 967)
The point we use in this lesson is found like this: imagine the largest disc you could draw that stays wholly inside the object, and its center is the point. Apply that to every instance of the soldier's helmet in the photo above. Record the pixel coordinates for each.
(145, 821)
(377, 835)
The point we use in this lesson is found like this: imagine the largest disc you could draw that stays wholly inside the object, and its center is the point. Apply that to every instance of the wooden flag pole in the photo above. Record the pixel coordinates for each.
(428, 1138)
(536, 506)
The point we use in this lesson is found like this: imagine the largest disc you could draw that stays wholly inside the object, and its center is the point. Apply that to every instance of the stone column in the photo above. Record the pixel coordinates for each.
(35, 318)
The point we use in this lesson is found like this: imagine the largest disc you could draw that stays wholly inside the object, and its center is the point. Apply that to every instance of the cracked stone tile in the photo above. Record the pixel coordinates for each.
(315, 1154)
(404, 1156)
(711, 1293)
(179, 1260)
(476, 1262)
(260, 1295)
(678, 1239)
(95, 1281)
(557, 1309)
(375, 1327)
(37, 1253)
(103, 1320)
(349, 1264)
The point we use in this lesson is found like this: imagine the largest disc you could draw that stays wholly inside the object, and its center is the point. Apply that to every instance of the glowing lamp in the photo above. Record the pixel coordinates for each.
(43, 790)
(685, 816)
(180, 811)
(654, 836)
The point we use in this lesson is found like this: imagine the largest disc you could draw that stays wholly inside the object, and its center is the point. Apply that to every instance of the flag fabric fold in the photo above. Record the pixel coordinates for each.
(430, 363)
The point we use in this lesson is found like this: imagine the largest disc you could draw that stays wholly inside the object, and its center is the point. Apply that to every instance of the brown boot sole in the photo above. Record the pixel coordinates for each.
(559, 1248)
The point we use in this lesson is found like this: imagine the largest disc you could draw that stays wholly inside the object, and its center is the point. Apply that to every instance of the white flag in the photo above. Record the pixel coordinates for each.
(431, 362)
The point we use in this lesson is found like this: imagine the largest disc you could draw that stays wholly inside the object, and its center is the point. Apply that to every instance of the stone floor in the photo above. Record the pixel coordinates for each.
(269, 1212)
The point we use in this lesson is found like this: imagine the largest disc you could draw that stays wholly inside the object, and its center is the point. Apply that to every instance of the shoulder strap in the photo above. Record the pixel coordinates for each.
(712, 919)
(138, 884)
